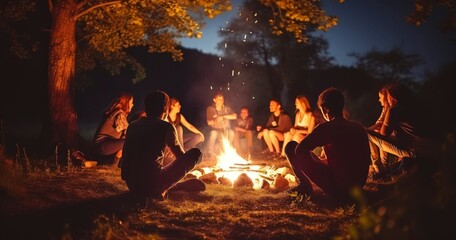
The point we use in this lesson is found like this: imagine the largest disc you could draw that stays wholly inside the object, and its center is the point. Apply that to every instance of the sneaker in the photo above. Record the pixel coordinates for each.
(277, 156)
(78, 156)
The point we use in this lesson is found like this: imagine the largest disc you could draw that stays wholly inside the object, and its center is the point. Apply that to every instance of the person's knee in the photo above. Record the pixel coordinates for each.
(213, 134)
(195, 155)
(290, 148)
(199, 138)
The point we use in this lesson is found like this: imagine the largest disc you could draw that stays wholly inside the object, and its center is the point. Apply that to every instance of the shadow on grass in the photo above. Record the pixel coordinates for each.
(75, 219)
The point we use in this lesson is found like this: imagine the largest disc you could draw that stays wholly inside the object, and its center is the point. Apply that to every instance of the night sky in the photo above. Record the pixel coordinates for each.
(363, 25)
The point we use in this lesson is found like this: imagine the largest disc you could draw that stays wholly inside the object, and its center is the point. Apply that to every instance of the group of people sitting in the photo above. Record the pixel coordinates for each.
(349, 149)
(276, 132)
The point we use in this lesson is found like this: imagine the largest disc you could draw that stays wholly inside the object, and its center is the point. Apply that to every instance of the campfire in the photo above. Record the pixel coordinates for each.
(233, 170)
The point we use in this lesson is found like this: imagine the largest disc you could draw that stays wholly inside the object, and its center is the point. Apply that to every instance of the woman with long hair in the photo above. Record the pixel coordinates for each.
(175, 117)
(377, 165)
(400, 134)
(110, 135)
(304, 122)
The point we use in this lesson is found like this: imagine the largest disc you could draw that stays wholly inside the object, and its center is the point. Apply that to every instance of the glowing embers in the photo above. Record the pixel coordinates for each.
(233, 170)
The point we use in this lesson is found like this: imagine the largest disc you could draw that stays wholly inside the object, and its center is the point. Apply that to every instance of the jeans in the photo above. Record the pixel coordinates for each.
(108, 146)
(382, 145)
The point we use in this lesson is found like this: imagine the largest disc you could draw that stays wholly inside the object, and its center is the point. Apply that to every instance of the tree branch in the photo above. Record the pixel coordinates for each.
(82, 3)
(92, 8)
(50, 5)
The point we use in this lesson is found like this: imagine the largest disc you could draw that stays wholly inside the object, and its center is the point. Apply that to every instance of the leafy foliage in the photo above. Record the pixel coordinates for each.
(389, 66)
(11, 14)
(110, 27)
(249, 40)
(424, 8)
(155, 24)
(295, 16)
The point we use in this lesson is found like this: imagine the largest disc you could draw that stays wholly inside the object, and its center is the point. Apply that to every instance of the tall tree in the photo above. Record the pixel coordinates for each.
(424, 8)
(109, 27)
(249, 38)
(388, 66)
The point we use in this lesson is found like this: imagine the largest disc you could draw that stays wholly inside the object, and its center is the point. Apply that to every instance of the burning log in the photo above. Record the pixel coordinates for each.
(266, 177)
(197, 173)
(251, 164)
(280, 183)
(189, 176)
(265, 184)
(209, 178)
(240, 168)
(225, 181)
(284, 171)
(243, 181)
(291, 178)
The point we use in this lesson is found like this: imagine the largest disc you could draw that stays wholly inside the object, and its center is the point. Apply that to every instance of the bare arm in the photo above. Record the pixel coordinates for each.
(231, 116)
(189, 126)
(386, 129)
(211, 116)
(172, 142)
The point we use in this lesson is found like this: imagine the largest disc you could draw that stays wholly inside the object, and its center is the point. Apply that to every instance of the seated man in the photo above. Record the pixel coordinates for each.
(243, 129)
(278, 123)
(145, 143)
(218, 117)
(346, 149)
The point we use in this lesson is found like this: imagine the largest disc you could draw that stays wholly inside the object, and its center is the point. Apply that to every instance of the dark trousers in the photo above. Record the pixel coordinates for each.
(308, 168)
(167, 176)
(108, 146)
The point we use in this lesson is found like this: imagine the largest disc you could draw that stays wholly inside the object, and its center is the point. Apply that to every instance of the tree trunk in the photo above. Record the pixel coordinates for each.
(274, 81)
(62, 54)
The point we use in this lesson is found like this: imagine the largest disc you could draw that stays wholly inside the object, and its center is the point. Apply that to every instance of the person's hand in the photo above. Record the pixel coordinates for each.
(202, 136)
(260, 135)
(219, 119)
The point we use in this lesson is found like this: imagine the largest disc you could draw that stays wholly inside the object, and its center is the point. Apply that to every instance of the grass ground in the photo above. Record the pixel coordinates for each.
(93, 203)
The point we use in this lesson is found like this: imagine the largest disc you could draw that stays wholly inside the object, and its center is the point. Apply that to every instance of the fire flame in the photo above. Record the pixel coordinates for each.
(230, 165)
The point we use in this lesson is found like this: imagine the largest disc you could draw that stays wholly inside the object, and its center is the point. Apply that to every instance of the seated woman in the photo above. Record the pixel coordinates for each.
(400, 134)
(377, 164)
(304, 122)
(110, 135)
(188, 140)
(175, 117)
